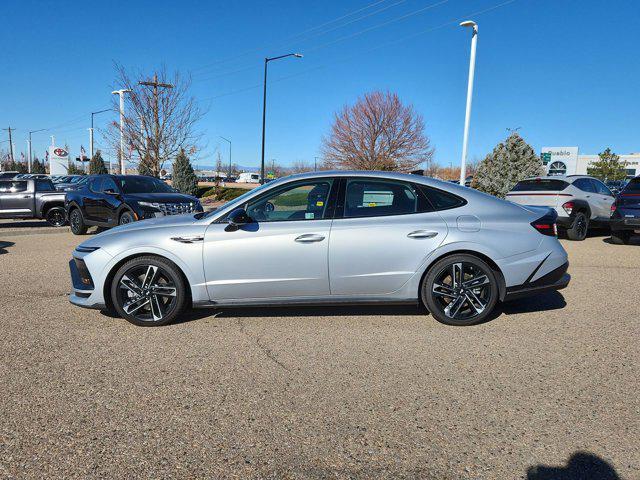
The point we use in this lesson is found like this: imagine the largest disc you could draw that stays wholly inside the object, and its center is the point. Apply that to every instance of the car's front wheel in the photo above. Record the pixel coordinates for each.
(460, 290)
(126, 217)
(148, 291)
(76, 222)
(56, 217)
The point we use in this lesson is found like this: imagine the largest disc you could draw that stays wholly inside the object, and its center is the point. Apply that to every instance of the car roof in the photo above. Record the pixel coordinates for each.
(566, 178)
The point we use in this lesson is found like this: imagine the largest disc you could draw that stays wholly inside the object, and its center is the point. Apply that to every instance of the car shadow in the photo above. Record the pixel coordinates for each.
(580, 466)
(634, 240)
(4, 245)
(542, 302)
(17, 224)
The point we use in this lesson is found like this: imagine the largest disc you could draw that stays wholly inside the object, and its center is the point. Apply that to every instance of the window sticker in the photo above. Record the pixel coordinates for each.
(319, 203)
(371, 204)
(309, 216)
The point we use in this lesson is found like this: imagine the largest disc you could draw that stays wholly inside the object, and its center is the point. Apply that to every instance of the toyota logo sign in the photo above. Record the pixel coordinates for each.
(60, 152)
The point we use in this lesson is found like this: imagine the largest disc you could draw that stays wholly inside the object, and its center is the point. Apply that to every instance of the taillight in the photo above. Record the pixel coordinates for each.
(613, 208)
(568, 207)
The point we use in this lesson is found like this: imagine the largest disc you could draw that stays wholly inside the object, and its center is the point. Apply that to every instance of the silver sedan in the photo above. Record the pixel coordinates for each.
(327, 238)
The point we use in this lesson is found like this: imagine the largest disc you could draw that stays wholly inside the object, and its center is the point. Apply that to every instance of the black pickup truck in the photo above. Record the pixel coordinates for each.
(32, 198)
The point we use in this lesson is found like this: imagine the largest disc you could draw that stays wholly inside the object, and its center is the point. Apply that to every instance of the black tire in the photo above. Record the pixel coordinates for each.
(475, 301)
(578, 230)
(126, 217)
(620, 237)
(56, 216)
(148, 301)
(76, 222)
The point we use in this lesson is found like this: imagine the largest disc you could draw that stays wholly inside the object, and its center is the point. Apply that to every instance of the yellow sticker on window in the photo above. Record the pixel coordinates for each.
(372, 204)
(320, 203)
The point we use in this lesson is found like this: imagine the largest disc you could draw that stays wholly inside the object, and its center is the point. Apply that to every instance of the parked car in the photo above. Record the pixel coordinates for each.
(8, 175)
(71, 182)
(328, 238)
(32, 198)
(111, 200)
(580, 201)
(616, 186)
(625, 213)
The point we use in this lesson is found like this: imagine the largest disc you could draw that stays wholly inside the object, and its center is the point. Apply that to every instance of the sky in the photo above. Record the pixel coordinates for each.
(566, 73)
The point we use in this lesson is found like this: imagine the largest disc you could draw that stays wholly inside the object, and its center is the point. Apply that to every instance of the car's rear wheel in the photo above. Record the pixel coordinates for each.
(578, 230)
(620, 237)
(460, 290)
(76, 222)
(148, 291)
(56, 216)
(126, 217)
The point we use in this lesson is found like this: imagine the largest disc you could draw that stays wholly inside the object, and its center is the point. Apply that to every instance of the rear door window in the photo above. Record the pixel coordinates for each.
(539, 185)
(44, 186)
(441, 200)
(13, 186)
(375, 198)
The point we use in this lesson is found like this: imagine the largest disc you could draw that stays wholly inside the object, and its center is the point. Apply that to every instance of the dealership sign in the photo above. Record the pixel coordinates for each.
(58, 161)
(560, 160)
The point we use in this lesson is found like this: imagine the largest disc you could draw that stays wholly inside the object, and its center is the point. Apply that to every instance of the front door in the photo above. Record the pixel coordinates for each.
(386, 231)
(281, 254)
(603, 199)
(15, 199)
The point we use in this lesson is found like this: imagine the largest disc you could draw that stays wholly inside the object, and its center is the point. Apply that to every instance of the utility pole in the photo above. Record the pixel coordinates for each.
(9, 129)
(156, 115)
(91, 130)
(227, 140)
(121, 93)
(315, 164)
(30, 155)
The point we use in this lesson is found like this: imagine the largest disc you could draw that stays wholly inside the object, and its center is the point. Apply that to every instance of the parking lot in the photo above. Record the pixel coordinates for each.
(362, 392)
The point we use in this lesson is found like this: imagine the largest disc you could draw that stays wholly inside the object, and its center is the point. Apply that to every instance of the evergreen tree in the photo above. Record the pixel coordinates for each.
(184, 178)
(145, 167)
(37, 166)
(96, 165)
(73, 169)
(608, 167)
(510, 162)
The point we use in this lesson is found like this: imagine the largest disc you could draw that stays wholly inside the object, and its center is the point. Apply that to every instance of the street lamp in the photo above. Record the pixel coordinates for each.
(121, 93)
(91, 130)
(264, 104)
(227, 140)
(30, 156)
(472, 66)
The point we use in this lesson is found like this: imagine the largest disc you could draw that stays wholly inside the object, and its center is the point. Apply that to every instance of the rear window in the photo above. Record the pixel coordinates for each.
(541, 184)
(633, 186)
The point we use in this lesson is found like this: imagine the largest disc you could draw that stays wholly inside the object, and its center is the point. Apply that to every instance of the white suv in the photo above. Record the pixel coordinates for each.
(580, 201)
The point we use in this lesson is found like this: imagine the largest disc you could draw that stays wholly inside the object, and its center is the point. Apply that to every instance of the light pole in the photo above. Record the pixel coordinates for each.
(264, 105)
(30, 157)
(472, 66)
(227, 140)
(121, 93)
(91, 130)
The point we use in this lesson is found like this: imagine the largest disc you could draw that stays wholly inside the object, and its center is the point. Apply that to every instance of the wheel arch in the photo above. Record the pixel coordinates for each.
(49, 205)
(106, 287)
(502, 287)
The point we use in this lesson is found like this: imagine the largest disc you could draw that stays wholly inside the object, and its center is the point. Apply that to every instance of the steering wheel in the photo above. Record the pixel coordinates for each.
(269, 207)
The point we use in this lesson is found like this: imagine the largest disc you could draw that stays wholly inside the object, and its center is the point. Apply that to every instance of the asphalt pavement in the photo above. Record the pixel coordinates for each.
(547, 389)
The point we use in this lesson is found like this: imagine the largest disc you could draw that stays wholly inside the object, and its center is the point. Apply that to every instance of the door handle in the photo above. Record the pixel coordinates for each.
(422, 234)
(309, 238)
(196, 238)
(26, 196)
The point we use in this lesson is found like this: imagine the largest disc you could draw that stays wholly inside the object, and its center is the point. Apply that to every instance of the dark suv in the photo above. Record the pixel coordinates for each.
(625, 213)
(110, 200)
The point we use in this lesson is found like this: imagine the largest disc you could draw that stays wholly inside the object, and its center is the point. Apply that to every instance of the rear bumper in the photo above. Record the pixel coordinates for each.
(625, 224)
(556, 279)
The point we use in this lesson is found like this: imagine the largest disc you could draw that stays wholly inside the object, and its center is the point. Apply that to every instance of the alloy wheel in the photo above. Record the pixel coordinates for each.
(56, 217)
(147, 293)
(462, 290)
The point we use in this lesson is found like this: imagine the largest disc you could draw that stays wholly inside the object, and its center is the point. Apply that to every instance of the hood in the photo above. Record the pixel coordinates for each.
(160, 197)
(168, 221)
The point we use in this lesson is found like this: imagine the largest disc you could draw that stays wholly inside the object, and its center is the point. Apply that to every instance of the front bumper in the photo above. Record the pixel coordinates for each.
(556, 279)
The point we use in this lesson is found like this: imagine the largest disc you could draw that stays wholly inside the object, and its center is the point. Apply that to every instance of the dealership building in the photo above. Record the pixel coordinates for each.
(568, 161)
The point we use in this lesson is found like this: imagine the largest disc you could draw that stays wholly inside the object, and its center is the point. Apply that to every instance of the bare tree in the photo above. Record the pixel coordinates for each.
(300, 166)
(160, 118)
(379, 132)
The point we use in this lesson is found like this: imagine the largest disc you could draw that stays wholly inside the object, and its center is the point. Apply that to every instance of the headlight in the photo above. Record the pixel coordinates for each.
(155, 205)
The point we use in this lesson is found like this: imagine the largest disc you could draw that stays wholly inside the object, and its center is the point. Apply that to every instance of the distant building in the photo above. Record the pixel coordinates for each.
(567, 161)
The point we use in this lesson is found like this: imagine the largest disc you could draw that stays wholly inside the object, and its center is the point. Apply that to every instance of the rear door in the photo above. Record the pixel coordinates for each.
(16, 198)
(383, 231)
(603, 199)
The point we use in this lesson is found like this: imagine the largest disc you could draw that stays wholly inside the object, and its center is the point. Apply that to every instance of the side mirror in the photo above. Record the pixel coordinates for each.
(238, 218)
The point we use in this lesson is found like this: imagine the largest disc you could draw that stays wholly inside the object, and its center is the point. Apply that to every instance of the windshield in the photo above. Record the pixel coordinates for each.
(239, 200)
(143, 185)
